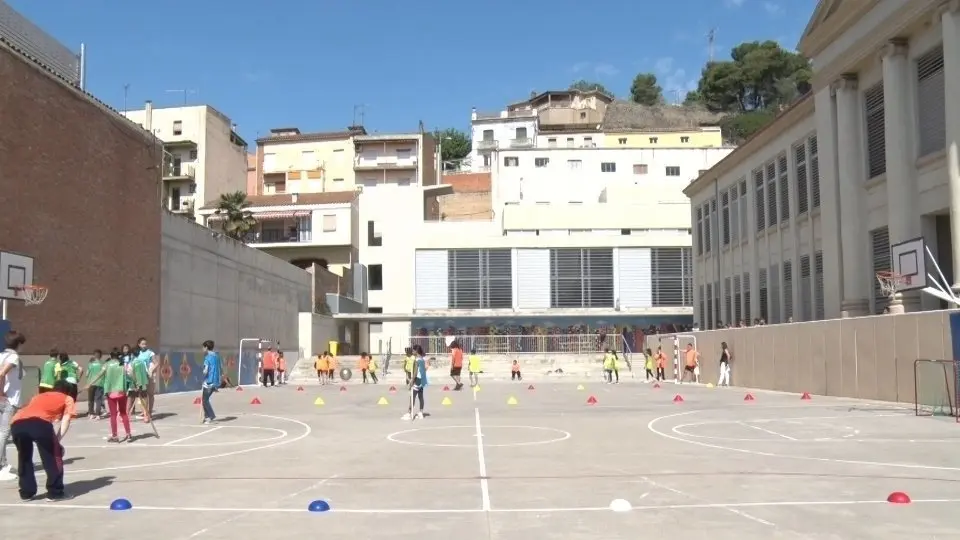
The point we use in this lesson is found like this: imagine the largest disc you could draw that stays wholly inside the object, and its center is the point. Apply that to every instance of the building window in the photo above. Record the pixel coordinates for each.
(480, 278)
(552, 142)
(177, 127)
(588, 141)
(308, 160)
(787, 291)
(784, 186)
(374, 310)
(806, 304)
(763, 294)
(608, 167)
(876, 138)
(653, 140)
(727, 314)
(511, 161)
(746, 296)
(671, 276)
(570, 142)
(541, 162)
(338, 180)
(725, 220)
(684, 139)
(581, 278)
(374, 238)
(774, 288)
(583, 115)
(488, 135)
(622, 140)
(640, 168)
(673, 171)
(375, 277)
(819, 308)
(771, 194)
(193, 154)
(702, 316)
(880, 251)
(931, 112)
(574, 164)
(737, 306)
(329, 223)
(698, 239)
(734, 214)
(269, 162)
(800, 169)
(814, 172)
(520, 133)
(707, 221)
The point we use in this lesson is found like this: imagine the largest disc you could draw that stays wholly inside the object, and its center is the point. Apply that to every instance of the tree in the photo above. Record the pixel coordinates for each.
(237, 220)
(692, 98)
(645, 90)
(587, 86)
(759, 77)
(455, 146)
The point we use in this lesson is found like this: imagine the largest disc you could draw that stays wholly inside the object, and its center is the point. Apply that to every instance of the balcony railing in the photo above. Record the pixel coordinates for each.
(486, 145)
(385, 162)
(524, 142)
(277, 236)
(179, 172)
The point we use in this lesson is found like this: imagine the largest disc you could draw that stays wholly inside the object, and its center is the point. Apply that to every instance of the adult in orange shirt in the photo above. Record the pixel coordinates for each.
(269, 367)
(691, 357)
(33, 425)
(456, 364)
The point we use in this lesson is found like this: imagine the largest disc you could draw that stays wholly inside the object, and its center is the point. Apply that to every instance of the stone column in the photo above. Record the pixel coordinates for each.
(903, 207)
(826, 112)
(851, 161)
(950, 22)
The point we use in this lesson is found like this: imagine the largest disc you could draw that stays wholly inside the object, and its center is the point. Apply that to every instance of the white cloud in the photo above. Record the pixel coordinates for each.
(674, 80)
(772, 8)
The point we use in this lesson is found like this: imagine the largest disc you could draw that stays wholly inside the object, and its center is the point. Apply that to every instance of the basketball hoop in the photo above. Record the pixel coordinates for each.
(892, 282)
(32, 295)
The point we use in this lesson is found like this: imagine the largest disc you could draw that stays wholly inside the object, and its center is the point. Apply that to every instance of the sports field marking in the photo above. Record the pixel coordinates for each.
(395, 436)
(484, 482)
(194, 436)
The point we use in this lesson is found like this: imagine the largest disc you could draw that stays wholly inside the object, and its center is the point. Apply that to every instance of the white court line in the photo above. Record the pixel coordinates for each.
(306, 433)
(651, 426)
(280, 500)
(768, 431)
(194, 436)
(653, 507)
(484, 483)
(694, 498)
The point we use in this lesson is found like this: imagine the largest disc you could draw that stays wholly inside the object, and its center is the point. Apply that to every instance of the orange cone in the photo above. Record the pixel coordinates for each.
(255, 401)
(591, 400)
(678, 398)
(806, 396)
(196, 401)
(748, 397)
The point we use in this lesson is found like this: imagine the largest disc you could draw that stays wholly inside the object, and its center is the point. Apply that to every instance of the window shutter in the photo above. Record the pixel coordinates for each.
(784, 189)
(787, 290)
(707, 239)
(667, 276)
(771, 194)
(727, 301)
(533, 278)
(763, 294)
(709, 306)
(746, 297)
(725, 217)
(880, 251)
(737, 298)
(760, 203)
(774, 277)
(744, 209)
(635, 277)
(818, 285)
(876, 139)
(734, 215)
(687, 261)
(699, 238)
(702, 321)
(814, 172)
(431, 275)
(800, 160)
(806, 300)
(931, 101)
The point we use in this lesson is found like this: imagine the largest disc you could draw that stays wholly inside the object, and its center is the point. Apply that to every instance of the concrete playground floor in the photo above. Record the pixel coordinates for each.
(481, 467)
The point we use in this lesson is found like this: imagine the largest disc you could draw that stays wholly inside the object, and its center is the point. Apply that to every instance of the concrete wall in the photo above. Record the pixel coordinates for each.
(316, 332)
(864, 357)
(215, 288)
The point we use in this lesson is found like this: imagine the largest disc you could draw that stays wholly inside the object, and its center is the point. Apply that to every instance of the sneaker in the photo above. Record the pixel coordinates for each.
(6, 474)
(113, 439)
(406, 416)
(419, 416)
(55, 497)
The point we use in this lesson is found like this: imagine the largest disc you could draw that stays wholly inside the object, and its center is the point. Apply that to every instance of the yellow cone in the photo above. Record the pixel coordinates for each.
(319, 401)
(709, 385)
(512, 401)
(446, 401)
(476, 388)
(383, 401)
(579, 387)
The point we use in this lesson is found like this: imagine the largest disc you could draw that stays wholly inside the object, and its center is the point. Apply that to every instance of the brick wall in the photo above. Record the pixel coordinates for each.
(82, 197)
(470, 200)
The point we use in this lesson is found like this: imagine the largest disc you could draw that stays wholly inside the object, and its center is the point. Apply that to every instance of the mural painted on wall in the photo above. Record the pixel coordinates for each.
(183, 371)
(543, 334)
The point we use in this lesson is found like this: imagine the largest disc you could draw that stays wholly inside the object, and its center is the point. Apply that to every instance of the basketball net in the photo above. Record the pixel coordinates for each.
(32, 295)
(891, 283)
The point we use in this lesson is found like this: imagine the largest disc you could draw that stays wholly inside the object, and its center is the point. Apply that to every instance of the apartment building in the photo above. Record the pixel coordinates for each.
(795, 224)
(401, 159)
(253, 183)
(291, 161)
(203, 156)
(569, 118)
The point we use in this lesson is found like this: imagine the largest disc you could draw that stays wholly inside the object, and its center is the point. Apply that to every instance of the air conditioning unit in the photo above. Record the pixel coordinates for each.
(186, 204)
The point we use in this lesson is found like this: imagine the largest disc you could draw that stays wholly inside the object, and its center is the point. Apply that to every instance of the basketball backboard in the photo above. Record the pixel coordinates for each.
(16, 270)
(909, 259)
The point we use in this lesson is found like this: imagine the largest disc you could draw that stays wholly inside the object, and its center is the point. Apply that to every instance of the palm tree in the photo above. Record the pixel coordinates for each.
(237, 220)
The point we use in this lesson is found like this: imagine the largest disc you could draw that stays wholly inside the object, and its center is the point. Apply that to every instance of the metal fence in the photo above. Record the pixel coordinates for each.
(525, 344)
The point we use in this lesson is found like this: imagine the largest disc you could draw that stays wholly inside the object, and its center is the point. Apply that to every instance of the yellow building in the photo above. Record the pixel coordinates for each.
(289, 161)
(704, 137)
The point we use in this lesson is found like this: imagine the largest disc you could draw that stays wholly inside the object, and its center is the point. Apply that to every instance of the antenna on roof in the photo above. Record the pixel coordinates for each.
(711, 41)
(185, 92)
(359, 110)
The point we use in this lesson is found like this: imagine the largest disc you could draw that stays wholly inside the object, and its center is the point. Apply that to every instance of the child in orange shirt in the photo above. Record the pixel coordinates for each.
(33, 425)
(515, 372)
(323, 367)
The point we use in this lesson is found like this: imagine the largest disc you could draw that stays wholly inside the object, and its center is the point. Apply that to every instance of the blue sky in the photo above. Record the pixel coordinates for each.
(307, 63)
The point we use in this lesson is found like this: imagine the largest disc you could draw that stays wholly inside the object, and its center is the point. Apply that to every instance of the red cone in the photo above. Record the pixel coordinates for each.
(446, 388)
(343, 388)
(591, 400)
(255, 401)
(678, 398)
(196, 401)
(656, 385)
(239, 389)
(299, 389)
(748, 397)
(898, 497)
(392, 389)
(805, 396)
(530, 387)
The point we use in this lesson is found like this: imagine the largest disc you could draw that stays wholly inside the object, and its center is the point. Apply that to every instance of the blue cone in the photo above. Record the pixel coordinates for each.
(319, 506)
(121, 504)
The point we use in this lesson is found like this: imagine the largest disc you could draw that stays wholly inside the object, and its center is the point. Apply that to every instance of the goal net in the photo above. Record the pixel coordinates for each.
(936, 388)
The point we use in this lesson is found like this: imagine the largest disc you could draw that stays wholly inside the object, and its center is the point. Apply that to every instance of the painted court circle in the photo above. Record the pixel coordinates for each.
(539, 435)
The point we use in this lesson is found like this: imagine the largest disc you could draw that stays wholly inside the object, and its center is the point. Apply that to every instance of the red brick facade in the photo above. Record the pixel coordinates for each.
(82, 197)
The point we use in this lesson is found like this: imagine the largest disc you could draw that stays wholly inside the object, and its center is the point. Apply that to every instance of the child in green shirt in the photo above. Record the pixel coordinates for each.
(95, 398)
(50, 371)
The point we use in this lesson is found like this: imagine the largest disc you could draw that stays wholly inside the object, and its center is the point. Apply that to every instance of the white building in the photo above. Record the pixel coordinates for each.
(797, 221)
(511, 129)
(204, 157)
